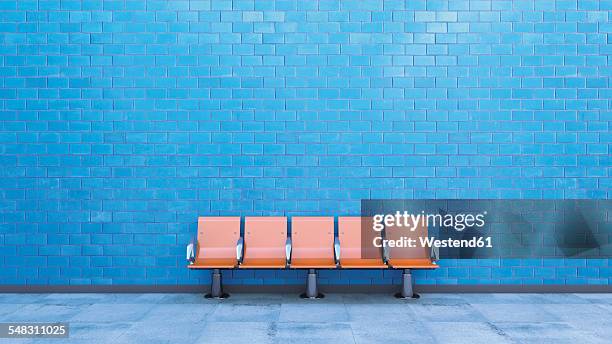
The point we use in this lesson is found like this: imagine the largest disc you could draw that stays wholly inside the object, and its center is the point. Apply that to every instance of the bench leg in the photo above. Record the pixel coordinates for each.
(216, 290)
(407, 292)
(312, 291)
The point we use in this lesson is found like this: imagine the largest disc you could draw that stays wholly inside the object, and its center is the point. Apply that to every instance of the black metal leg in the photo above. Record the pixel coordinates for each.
(407, 292)
(312, 291)
(216, 289)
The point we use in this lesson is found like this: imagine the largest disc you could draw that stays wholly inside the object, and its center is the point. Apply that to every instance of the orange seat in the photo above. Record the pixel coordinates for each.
(209, 263)
(313, 263)
(264, 243)
(312, 243)
(409, 257)
(216, 243)
(263, 263)
(360, 263)
(424, 263)
(357, 250)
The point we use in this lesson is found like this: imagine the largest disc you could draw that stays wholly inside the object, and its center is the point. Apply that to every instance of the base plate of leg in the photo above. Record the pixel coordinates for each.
(223, 296)
(319, 296)
(414, 296)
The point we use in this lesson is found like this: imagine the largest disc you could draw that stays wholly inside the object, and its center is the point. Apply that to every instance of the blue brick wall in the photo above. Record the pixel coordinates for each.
(123, 120)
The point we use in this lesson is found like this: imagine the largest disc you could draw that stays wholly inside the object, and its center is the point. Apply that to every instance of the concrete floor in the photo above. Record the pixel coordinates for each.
(339, 318)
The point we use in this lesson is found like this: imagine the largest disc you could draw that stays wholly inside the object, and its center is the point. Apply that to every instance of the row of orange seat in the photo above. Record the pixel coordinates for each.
(311, 245)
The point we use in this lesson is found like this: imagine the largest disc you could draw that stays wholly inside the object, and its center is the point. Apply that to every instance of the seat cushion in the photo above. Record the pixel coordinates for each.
(313, 263)
(421, 263)
(263, 263)
(214, 263)
(356, 263)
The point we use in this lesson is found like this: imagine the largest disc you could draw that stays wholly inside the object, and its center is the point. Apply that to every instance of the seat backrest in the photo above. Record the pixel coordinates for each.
(312, 237)
(356, 238)
(217, 236)
(417, 252)
(265, 237)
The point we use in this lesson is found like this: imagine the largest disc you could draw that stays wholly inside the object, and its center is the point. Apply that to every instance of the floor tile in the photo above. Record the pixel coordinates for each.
(184, 298)
(7, 309)
(238, 332)
(380, 313)
(312, 312)
(596, 297)
(22, 298)
(173, 330)
(77, 299)
(108, 313)
(374, 298)
(515, 313)
(43, 313)
(390, 330)
(227, 312)
(179, 312)
(96, 331)
(446, 313)
(467, 332)
(578, 312)
(543, 332)
(320, 332)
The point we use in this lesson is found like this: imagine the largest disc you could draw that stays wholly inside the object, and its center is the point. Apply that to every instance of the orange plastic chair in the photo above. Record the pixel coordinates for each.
(409, 258)
(312, 243)
(406, 257)
(215, 249)
(265, 239)
(216, 243)
(312, 246)
(357, 251)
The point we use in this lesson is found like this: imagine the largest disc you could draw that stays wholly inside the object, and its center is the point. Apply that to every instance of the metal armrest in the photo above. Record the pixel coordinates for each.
(191, 252)
(288, 250)
(385, 254)
(239, 250)
(435, 254)
(337, 250)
